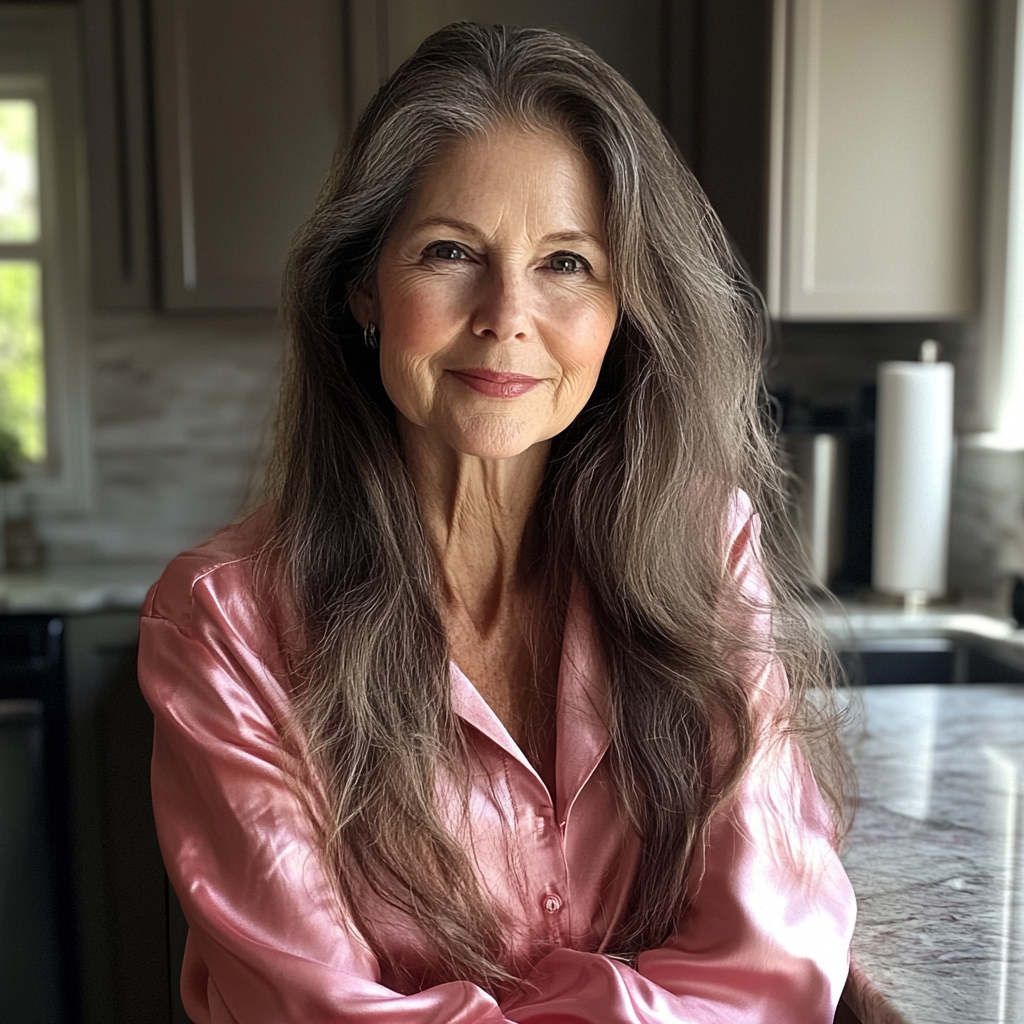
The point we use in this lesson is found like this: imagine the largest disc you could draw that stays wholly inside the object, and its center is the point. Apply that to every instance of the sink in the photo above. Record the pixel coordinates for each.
(930, 659)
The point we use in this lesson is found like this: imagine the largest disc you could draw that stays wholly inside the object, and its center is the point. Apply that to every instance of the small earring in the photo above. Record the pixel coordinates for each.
(370, 336)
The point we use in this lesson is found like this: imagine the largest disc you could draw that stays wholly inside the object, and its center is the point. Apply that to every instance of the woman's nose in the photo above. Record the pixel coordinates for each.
(502, 306)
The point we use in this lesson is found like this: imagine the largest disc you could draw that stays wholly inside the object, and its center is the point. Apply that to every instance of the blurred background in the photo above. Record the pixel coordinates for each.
(156, 157)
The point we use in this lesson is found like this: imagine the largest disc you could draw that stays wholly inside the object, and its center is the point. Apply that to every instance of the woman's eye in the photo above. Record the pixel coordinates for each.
(446, 251)
(567, 263)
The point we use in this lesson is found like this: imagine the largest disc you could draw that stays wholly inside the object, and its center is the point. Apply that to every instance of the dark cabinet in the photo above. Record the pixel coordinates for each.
(211, 128)
(118, 104)
(38, 977)
(248, 116)
(80, 868)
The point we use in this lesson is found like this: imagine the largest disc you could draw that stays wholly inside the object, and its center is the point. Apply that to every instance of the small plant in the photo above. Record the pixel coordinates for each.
(10, 457)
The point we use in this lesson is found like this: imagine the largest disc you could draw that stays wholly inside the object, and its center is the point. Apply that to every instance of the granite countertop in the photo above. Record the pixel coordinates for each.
(936, 855)
(78, 588)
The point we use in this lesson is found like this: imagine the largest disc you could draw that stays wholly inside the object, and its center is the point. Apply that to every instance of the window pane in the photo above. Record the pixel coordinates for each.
(19, 171)
(22, 382)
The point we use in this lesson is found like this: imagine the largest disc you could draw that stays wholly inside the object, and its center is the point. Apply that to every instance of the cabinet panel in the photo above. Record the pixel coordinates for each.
(249, 102)
(119, 876)
(120, 157)
(880, 150)
(630, 36)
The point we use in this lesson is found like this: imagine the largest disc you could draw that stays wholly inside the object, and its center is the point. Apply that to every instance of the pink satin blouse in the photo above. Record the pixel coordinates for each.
(767, 939)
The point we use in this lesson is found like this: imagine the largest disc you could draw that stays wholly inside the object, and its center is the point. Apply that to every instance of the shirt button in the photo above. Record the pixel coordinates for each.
(552, 904)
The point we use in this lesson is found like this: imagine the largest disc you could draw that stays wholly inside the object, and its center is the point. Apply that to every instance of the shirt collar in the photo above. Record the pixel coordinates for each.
(582, 706)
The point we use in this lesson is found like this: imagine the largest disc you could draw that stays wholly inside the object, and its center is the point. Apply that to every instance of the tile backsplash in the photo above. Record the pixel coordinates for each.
(182, 410)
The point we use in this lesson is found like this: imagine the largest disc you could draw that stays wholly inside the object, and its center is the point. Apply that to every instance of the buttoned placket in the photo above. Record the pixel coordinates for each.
(582, 738)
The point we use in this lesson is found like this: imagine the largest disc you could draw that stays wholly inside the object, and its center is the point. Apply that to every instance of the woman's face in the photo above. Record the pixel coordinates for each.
(494, 294)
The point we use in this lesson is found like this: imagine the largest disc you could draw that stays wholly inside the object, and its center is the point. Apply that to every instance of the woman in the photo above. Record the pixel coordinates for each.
(482, 715)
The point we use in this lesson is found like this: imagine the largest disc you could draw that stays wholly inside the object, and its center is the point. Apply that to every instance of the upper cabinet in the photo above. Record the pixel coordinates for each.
(838, 141)
(873, 172)
(249, 102)
(120, 165)
(212, 126)
(629, 34)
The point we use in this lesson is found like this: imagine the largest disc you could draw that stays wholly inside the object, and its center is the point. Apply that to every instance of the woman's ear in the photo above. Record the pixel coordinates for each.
(363, 303)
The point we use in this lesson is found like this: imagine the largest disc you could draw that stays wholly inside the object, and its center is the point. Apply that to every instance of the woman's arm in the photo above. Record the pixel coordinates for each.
(267, 943)
(767, 938)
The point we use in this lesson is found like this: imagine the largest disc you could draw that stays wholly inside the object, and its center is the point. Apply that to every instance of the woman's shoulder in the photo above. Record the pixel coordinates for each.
(743, 528)
(218, 572)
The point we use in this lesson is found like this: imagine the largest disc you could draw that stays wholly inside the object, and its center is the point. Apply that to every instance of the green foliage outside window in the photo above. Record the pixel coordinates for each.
(22, 382)
(19, 171)
(22, 411)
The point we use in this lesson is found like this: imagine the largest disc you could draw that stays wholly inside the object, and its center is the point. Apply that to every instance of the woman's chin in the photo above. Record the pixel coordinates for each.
(494, 437)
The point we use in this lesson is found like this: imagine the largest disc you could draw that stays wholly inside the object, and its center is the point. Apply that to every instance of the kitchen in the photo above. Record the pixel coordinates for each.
(171, 319)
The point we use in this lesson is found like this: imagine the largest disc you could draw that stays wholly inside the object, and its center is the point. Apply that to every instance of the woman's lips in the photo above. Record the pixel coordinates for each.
(496, 385)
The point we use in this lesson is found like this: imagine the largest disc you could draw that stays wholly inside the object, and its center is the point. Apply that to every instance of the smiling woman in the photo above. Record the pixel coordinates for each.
(496, 306)
(489, 711)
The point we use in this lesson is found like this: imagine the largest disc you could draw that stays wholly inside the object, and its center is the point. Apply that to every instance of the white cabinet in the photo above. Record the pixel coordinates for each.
(249, 101)
(875, 125)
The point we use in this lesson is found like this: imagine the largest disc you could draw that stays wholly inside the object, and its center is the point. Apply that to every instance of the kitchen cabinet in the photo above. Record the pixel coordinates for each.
(38, 977)
(68, 681)
(117, 92)
(875, 113)
(630, 36)
(119, 884)
(248, 107)
(211, 128)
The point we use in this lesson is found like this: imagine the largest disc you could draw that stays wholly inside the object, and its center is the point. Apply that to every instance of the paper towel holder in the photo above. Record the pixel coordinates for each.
(903, 583)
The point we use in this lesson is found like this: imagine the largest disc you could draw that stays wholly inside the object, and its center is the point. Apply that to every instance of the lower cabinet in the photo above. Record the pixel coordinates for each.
(120, 889)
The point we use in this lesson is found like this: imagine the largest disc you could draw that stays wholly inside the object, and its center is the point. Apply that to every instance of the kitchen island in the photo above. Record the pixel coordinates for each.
(936, 855)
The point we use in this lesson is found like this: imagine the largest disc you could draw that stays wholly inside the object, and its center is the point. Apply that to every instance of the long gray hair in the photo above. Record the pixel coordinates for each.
(635, 503)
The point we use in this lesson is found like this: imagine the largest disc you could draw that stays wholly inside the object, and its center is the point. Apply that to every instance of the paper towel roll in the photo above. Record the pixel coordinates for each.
(913, 473)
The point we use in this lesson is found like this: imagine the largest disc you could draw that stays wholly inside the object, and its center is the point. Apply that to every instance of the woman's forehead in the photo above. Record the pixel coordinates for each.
(509, 175)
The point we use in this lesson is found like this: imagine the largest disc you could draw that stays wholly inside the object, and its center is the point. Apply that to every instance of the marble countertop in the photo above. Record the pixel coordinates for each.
(936, 855)
(77, 589)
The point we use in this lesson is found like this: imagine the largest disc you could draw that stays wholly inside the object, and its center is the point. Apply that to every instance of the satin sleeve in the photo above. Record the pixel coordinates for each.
(767, 937)
(266, 942)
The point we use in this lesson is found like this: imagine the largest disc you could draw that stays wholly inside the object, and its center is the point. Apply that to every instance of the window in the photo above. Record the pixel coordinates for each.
(22, 370)
(44, 384)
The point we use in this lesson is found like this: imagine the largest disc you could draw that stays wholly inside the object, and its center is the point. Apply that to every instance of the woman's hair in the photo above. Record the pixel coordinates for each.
(635, 502)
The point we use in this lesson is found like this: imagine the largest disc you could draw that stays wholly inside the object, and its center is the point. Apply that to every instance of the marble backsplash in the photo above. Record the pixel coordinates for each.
(987, 522)
(182, 410)
(182, 413)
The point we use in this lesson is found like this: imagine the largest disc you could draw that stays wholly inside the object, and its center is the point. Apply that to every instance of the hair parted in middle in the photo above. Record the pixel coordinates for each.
(635, 505)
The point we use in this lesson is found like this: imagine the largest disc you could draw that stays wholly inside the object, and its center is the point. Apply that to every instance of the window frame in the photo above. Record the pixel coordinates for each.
(39, 60)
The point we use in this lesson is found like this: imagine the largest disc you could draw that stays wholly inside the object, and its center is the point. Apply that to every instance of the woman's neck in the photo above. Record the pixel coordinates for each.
(478, 519)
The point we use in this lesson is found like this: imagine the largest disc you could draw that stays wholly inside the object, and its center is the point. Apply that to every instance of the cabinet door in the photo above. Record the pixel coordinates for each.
(249, 103)
(630, 36)
(120, 158)
(119, 878)
(875, 214)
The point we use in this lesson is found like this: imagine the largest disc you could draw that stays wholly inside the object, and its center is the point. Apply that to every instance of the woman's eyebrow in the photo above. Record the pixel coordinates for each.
(557, 237)
(570, 237)
(449, 222)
